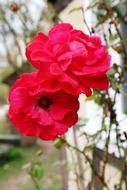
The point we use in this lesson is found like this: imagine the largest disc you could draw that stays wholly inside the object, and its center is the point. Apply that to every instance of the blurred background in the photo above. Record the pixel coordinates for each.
(95, 154)
(22, 157)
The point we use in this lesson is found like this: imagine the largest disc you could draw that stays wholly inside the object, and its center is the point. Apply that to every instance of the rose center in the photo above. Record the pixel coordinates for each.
(44, 102)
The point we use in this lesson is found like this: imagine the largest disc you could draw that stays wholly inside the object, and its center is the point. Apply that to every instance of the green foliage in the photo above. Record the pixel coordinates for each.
(96, 97)
(58, 143)
(15, 153)
(37, 171)
(4, 90)
(5, 72)
(113, 37)
(101, 17)
(34, 169)
(55, 187)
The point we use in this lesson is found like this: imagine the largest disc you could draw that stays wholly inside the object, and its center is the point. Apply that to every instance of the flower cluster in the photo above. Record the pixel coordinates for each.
(68, 62)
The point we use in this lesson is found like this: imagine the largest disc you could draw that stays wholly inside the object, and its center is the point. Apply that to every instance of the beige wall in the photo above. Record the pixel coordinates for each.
(75, 17)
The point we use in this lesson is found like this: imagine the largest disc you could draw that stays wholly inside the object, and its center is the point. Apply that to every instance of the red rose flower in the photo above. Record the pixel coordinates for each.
(37, 112)
(75, 61)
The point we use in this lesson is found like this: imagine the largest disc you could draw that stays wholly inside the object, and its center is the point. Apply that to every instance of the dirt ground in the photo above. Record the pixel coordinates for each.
(16, 182)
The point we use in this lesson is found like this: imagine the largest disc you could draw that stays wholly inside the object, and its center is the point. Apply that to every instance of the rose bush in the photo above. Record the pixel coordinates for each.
(70, 59)
(37, 112)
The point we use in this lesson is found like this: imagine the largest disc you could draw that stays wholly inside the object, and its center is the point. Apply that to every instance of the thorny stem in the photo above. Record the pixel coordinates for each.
(35, 182)
(89, 161)
(105, 160)
(121, 38)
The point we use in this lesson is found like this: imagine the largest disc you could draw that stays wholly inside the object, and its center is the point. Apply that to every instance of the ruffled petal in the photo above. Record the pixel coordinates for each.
(71, 118)
(65, 60)
(60, 128)
(19, 100)
(40, 116)
(99, 82)
(60, 33)
(59, 108)
(41, 37)
(94, 70)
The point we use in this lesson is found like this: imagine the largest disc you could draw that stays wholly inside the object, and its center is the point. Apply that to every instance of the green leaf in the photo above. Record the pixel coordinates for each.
(93, 97)
(37, 171)
(113, 37)
(58, 143)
